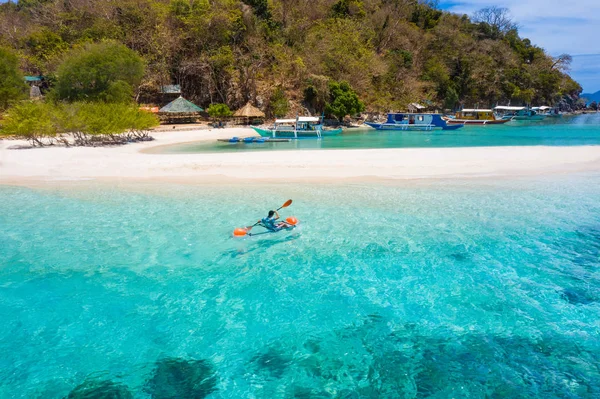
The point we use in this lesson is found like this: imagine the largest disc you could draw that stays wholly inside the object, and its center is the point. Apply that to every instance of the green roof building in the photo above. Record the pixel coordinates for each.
(181, 106)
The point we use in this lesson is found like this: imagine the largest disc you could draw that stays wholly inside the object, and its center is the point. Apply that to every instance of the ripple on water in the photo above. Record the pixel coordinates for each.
(421, 290)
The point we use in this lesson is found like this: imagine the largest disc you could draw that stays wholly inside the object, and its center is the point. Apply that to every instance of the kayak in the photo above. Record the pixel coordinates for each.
(245, 231)
(290, 228)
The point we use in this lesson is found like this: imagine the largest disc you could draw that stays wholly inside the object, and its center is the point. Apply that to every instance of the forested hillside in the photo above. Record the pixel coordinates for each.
(391, 52)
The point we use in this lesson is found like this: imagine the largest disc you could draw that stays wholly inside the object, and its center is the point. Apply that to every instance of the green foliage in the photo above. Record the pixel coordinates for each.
(316, 93)
(99, 72)
(112, 119)
(226, 51)
(219, 111)
(45, 44)
(261, 8)
(401, 58)
(348, 8)
(425, 16)
(343, 100)
(12, 85)
(36, 121)
(279, 104)
(31, 121)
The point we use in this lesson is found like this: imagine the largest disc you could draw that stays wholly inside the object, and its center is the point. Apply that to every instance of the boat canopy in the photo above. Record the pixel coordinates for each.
(544, 107)
(507, 108)
(300, 119)
(475, 110)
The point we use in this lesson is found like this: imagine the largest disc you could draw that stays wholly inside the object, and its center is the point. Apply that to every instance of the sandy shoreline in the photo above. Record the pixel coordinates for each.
(129, 162)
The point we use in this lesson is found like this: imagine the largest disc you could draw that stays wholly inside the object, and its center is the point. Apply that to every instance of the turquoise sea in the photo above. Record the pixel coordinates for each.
(565, 131)
(428, 289)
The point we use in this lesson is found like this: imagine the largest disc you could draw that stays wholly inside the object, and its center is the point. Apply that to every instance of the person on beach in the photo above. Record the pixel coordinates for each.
(270, 222)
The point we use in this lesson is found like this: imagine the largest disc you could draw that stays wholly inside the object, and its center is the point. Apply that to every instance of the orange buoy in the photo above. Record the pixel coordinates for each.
(292, 220)
(240, 232)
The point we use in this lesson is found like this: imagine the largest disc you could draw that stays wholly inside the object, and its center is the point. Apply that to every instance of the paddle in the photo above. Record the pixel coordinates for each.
(287, 203)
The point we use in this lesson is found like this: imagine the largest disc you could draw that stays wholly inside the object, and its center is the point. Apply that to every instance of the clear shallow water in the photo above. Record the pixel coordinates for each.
(578, 130)
(463, 289)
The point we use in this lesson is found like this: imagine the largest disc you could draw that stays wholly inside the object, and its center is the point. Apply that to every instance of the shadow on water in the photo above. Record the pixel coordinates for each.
(100, 389)
(378, 358)
(273, 362)
(261, 243)
(372, 359)
(181, 378)
(576, 296)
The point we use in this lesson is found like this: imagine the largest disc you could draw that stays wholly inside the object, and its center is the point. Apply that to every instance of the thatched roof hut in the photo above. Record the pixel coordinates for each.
(249, 111)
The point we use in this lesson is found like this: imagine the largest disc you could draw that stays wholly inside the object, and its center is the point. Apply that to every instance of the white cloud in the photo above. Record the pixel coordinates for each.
(557, 26)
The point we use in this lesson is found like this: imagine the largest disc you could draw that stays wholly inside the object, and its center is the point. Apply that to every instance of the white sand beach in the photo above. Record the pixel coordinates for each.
(130, 162)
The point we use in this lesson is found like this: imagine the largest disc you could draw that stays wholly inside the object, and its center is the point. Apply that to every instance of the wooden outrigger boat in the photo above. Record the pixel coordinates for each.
(301, 127)
(412, 121)
(475, 117)
(517, 113)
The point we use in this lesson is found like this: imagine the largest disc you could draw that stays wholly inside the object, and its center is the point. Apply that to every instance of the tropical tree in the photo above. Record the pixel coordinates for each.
(12, 85)
(343, 100)
(219, 111)
(106, 72)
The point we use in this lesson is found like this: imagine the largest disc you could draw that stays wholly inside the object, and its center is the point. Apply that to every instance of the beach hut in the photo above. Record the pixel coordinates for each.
(249, 113)
(416, 108)
(179, 110)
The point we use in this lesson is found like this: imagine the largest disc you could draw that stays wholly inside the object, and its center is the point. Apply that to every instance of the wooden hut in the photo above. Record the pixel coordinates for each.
(179, 110)
(249, 114)
(416, 108)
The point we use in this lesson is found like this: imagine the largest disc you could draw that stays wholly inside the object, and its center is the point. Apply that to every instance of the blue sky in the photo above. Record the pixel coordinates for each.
(559, 27)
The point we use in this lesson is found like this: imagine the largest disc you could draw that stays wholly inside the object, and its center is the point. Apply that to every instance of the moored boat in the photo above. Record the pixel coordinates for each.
(475, 117)
(517, 113)
(301, 127)
(410, 121)
(547, 111)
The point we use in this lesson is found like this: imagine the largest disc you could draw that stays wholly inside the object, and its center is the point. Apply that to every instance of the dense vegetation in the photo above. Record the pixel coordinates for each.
(77, 124)
(287, 55)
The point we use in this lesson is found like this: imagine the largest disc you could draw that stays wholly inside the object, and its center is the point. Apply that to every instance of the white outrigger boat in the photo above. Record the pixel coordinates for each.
(517, 113)
(547, 111)
(303, 126)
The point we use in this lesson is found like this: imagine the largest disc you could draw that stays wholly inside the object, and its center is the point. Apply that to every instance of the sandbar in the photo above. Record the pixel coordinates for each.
(131, 162)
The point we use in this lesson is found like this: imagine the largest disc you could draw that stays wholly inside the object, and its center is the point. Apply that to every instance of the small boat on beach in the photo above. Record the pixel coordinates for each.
(475, 117)
(517, 113)
(301, 127)
(410, 121)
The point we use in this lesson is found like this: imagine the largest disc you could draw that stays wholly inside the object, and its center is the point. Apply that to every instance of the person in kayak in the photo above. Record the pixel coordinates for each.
(270, 222)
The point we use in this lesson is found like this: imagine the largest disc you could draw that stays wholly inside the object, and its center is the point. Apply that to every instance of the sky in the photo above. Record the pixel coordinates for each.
(558, 26)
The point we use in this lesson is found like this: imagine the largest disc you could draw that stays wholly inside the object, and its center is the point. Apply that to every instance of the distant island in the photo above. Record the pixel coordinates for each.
(591, 97)
(286, 56)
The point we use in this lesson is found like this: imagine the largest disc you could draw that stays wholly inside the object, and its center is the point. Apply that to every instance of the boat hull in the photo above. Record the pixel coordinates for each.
(525, 118)
(413, 127)
(300, 133)
(476, 122)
